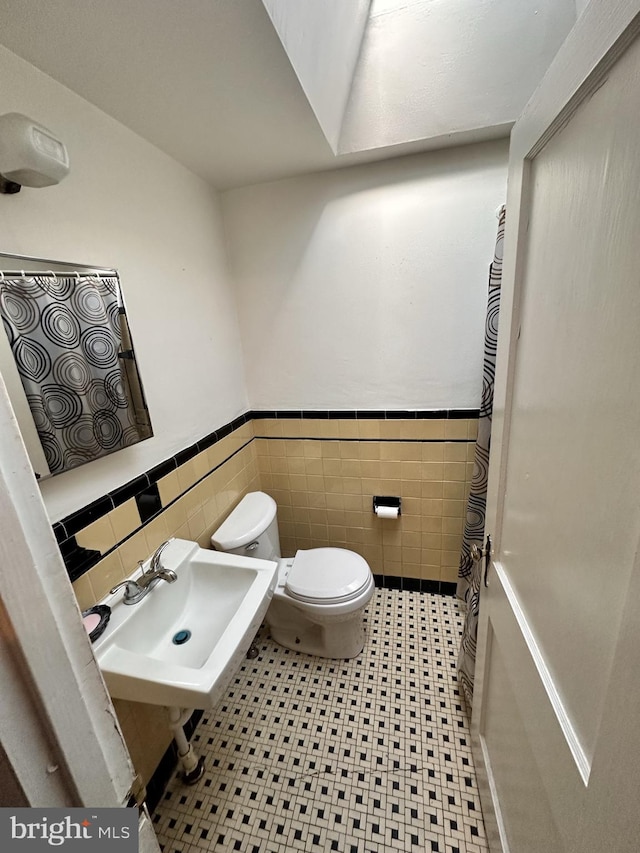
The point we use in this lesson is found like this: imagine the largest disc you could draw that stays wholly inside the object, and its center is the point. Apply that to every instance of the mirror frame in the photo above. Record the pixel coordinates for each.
(13, 382)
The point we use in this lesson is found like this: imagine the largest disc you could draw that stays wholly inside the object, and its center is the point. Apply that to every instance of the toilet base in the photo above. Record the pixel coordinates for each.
(335, 638)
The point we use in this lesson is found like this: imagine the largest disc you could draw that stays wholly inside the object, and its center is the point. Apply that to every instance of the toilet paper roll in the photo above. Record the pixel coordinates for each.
(387, 511)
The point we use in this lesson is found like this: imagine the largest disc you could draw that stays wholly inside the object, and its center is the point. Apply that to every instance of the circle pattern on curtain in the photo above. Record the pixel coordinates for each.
(64, 333)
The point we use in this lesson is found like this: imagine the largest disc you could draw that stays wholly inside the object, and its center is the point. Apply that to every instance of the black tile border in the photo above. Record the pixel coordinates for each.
(368, 414)
(414, 584)
(78, 561)
(368, 440)
(130, 490)
(372, 415)
(78, 520)
(158, 471)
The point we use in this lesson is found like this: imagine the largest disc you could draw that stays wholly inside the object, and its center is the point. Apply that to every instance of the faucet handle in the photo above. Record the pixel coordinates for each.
(133, 592)
(132, 588)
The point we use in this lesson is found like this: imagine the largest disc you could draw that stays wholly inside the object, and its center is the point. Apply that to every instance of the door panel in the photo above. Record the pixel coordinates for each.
(572, 519)
(563, 506)
(524, 803)
(540, 748)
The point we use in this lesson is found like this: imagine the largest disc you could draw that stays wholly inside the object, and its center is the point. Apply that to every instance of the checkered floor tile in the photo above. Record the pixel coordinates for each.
(370, 755)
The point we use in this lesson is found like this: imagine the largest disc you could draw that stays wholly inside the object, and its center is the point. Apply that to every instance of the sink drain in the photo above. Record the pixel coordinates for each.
(181, 637)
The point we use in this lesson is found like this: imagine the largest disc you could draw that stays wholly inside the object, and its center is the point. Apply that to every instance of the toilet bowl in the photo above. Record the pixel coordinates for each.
(321, 593)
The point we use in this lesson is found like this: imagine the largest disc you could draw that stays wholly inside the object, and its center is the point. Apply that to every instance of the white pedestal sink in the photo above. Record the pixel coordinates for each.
(218, 603)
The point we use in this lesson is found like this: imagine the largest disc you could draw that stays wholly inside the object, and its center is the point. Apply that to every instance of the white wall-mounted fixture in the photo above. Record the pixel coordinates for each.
(30, 155)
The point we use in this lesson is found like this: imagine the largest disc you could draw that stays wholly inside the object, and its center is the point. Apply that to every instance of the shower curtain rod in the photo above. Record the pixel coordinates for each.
(71, 264)
(49, 273)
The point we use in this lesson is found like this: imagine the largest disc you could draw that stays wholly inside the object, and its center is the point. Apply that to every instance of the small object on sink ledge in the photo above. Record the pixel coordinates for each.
(95, 620)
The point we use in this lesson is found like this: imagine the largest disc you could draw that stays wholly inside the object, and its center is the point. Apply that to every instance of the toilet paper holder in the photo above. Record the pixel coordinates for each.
(384, 500)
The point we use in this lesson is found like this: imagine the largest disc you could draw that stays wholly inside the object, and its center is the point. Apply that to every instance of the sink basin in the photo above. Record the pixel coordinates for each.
(217, 604)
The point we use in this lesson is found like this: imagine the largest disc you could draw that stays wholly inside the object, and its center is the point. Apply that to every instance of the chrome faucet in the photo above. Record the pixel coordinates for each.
(135, 590)
(155, 564)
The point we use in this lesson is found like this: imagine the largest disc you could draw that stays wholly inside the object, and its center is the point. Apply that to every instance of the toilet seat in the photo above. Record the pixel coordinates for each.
(327, 575)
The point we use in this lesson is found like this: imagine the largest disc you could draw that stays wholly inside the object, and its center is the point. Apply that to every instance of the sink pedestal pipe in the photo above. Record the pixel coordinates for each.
(192, 766)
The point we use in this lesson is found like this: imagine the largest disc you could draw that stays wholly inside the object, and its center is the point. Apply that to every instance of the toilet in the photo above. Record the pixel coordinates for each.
(321, 593)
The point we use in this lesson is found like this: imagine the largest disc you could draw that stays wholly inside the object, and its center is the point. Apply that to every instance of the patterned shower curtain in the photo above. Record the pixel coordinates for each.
(470, 572)
(65, 336)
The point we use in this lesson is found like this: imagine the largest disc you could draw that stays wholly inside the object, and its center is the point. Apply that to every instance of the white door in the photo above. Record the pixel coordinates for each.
(556, 717)
(60, 742)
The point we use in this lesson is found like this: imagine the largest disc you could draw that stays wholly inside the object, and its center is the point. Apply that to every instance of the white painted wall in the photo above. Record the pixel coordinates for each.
(581, 5)
(366, 287)
(322, 41)
(437, 68)
(128, 205)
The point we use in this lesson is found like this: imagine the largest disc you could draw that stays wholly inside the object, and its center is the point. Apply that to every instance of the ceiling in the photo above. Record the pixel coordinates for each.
(207, 81)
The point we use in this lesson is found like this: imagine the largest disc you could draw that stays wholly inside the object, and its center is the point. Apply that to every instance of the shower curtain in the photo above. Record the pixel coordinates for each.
(470, 572)
(64, 332)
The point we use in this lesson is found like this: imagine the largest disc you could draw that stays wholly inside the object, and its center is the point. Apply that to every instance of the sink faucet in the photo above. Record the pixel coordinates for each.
(135, 590)
(155, 564)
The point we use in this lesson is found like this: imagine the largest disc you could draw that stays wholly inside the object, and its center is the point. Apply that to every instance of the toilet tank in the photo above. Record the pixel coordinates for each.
(251, 529)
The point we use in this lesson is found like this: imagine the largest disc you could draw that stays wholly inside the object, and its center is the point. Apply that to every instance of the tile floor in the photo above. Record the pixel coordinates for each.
(362, 756)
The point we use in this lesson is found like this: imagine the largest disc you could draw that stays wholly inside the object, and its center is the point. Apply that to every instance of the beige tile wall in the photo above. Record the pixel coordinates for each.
(323, 475)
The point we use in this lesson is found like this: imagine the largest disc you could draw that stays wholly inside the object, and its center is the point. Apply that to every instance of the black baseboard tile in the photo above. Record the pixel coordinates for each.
(429, 586)
(414, 584)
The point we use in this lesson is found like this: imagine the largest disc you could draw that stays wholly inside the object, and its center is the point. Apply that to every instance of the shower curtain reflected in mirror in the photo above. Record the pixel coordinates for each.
(65, 335)
(470, 572)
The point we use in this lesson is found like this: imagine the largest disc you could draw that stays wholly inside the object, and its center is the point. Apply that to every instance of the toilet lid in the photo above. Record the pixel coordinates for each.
(327, 574)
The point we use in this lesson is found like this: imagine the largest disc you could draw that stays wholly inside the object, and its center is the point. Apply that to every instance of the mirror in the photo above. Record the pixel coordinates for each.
(68, 362)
